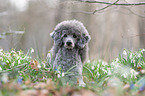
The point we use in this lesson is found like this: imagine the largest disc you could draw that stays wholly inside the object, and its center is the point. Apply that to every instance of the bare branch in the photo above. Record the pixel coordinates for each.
(106, 7)
(135, 13)
(122, 4)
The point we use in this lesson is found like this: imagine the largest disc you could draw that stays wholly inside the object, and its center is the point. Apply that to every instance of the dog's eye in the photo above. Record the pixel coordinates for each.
(65, 35)
(74, 36)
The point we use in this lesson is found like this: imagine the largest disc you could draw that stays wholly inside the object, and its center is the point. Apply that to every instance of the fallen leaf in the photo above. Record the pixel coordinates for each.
(126, 87)
(139, 68)
(50, 84)
(34, 64)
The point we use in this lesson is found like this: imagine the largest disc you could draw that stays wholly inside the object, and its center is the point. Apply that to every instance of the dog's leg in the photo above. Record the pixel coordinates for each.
(81, 82)
(80, 77)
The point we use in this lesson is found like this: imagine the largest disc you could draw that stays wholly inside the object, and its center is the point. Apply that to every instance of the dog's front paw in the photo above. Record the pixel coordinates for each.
(82, 84)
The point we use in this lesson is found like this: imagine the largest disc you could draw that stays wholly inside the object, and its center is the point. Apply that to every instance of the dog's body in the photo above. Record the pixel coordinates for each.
(70, 48)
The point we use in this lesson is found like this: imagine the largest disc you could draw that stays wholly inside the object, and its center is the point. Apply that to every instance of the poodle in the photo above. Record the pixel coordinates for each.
(70, 49)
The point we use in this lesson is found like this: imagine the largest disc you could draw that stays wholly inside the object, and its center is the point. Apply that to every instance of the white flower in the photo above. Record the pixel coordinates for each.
(59, 72)
(1, 53)
(100, 60)
(109, 72)
(62, 74)
(1, 49)
(104, 63)
(133, 73)
(43, 64)
(58, 75)
(39, 66)
(1, 58)
(19, 52)
(25, 57)
(142, 50)
(32, 50)
(98, 66)
(117, 59)
(7, 61)
(19, 61)
(18, 57)
(132, 61)
(93, 68)
(138, 55)
(124, 52)
(13, 51)
(13, 64)
(88, 61)
(0, 68)
(130, 56)
(124, 75)
(98, 73)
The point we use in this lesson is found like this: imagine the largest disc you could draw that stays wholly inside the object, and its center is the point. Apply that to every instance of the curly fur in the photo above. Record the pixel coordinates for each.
(70, 48)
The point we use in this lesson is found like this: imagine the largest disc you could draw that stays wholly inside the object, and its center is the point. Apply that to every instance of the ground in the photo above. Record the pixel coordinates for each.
(23, 75)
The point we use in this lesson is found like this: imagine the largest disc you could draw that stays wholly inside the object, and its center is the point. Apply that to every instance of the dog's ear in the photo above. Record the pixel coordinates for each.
(52, 34)
(56, 37)
(84, 39)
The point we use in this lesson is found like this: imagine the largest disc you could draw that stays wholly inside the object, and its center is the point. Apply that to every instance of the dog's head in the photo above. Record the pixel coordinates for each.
(70, 34)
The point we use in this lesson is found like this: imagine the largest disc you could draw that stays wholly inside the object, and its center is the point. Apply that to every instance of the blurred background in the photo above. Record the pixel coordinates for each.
(26, 24)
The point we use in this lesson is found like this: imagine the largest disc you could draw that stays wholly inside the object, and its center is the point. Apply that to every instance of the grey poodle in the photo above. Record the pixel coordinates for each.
(70, 49)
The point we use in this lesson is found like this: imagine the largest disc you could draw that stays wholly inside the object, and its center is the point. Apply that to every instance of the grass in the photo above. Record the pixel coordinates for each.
(22, 75)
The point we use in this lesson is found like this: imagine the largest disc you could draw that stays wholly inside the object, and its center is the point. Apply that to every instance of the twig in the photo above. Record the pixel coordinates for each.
(143, 34)
(106, 7)
(82, 12)
(122, 4)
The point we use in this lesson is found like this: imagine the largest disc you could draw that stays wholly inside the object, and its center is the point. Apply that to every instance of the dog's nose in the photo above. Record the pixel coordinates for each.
(69, 43)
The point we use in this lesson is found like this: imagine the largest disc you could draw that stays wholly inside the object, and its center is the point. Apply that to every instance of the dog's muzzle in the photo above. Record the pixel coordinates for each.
(69, 44)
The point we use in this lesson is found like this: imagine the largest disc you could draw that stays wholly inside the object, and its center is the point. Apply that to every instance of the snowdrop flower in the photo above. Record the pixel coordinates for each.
(88, 61)
(130, 56)
(19, 61)
(0, 68)
(62, 74)
(19, 52)
(117, 59)
(7, 61)
(98, 66)
(1, 58)
(43, 64)
(109, 72)
(142, 50)
(13, 51)
(132, 61)
(1, 53)
(98, 73)
(124, 75)
(58, 75)
(39, 66)
(99, 60)
(133, 73)
(13, 63)
(59, 72)
(104, 63)
(32, 50)
(18, 57)
(1, 49)
(93, 68)
(138, 55)
(124, 52)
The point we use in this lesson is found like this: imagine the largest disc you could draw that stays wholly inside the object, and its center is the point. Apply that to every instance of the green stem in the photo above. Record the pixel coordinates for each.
(4, 71)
